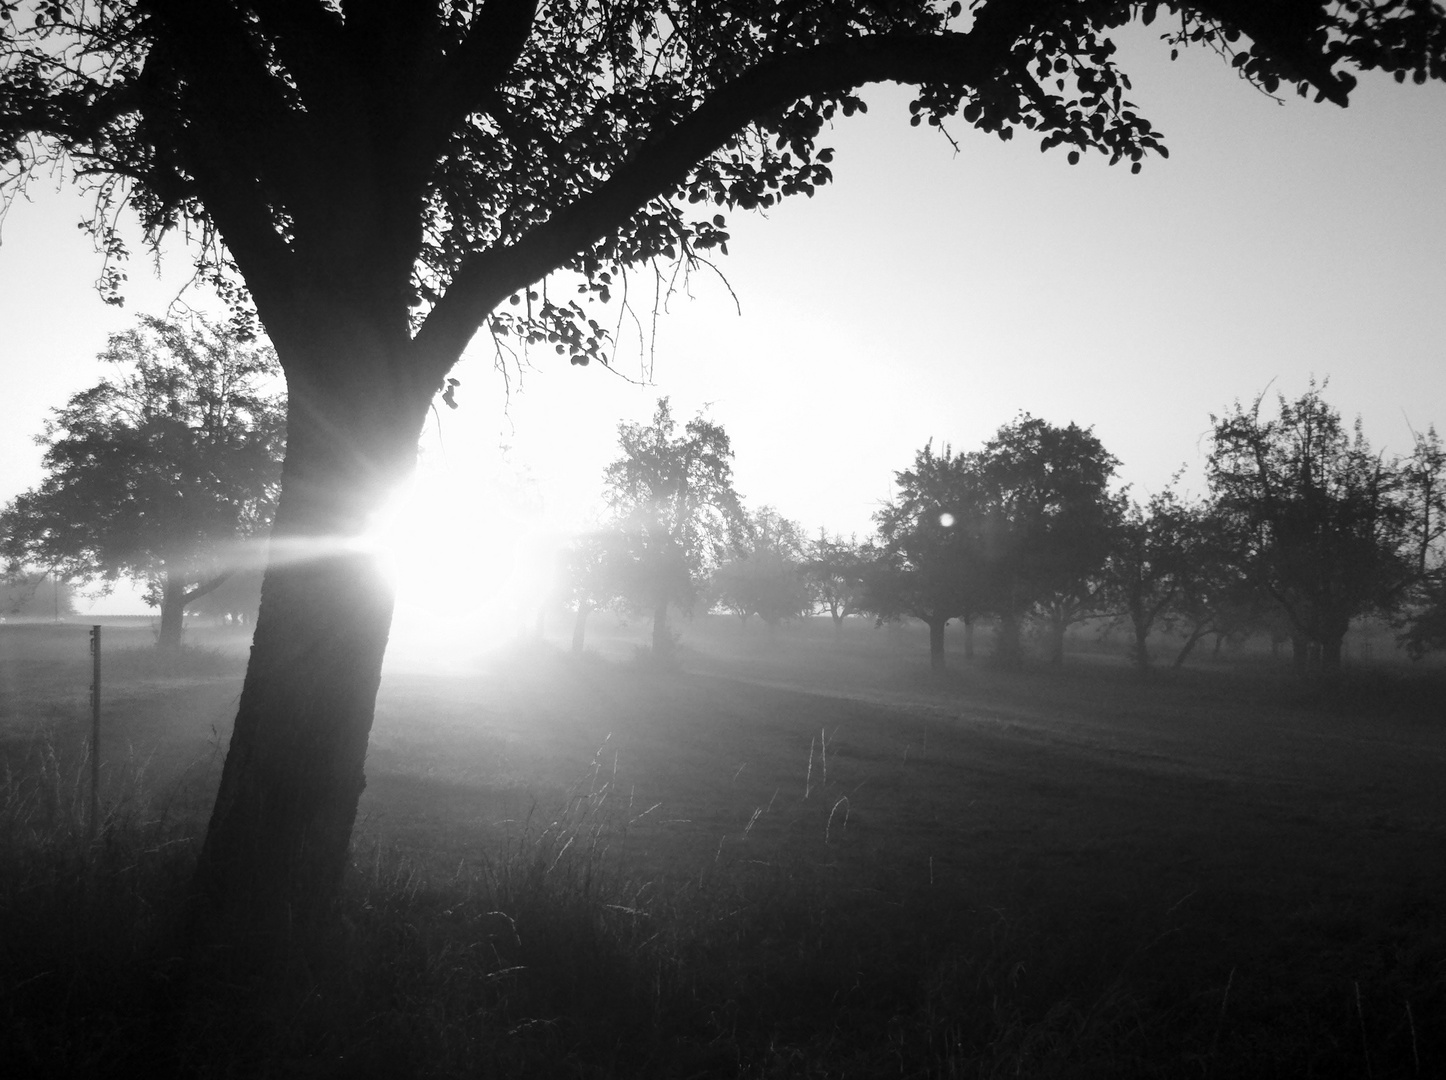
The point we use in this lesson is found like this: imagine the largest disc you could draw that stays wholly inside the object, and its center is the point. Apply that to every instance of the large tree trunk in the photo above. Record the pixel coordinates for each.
(1185, 650)
(173, 613)
(1057, 627)
(936, 644)
(279, 836)
(1141, 651)
(579, 625)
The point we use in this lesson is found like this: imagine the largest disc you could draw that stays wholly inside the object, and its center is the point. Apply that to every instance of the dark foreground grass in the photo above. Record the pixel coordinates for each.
(1076, 881)
(545, 958)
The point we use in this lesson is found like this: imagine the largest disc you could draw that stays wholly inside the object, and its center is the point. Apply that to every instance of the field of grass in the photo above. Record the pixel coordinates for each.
(795, 856)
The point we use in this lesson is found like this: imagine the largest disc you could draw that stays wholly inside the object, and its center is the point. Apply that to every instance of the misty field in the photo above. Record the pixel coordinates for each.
(797, 855)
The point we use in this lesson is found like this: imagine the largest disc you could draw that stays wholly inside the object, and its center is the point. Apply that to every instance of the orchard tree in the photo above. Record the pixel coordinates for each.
(1321, 522)
(1215, 593)
(1425, 630)
(1425, 483)
(931, 565)
(1150, 564)
(596, 572)
(1042, 496)
(160, 473)
(764, 575)
(377, 182)
(672, 495)
(1423, 480)
(834, 570)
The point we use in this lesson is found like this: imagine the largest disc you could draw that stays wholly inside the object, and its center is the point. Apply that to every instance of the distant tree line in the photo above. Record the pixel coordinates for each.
(1303, 528)
(36, 595)
(166, 472)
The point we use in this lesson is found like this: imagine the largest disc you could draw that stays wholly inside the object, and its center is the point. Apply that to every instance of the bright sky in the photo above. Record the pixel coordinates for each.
(928, 294)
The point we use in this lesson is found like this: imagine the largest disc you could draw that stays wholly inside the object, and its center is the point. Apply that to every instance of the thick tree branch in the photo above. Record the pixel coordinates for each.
(483, 61)
(202, 588)
(307, 40)
(982, 55)
(663, 163)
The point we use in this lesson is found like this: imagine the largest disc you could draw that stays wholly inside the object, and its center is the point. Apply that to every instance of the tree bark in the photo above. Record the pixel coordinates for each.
(936, 644)
(173, 614)
(579, 625)
(1057, 628)
(279, 837)
(1189, 646)
(1142, 648)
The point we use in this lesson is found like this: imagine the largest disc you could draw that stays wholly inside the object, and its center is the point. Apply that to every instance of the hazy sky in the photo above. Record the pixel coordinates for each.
(928, 294)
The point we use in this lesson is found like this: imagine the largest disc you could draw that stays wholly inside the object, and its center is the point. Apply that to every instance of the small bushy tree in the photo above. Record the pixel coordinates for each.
(834, 570)
(1149, 565)
(765, 575)
(596, 568)
(1321, 522)
(672, 494)
(1425, 483)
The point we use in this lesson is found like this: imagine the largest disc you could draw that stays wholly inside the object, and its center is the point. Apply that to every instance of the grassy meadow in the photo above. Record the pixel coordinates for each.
(793, 855)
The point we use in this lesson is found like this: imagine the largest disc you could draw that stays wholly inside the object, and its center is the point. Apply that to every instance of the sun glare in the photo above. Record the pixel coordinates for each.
(470, 571)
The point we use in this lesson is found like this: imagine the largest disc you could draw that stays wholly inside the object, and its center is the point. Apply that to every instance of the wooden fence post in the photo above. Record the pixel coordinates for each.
(94, 731)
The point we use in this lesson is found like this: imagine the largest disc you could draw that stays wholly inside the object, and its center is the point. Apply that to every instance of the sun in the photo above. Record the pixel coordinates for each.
(471, 569)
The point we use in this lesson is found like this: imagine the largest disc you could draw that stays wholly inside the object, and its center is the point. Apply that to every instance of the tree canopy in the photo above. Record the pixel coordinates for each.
(158, 473)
